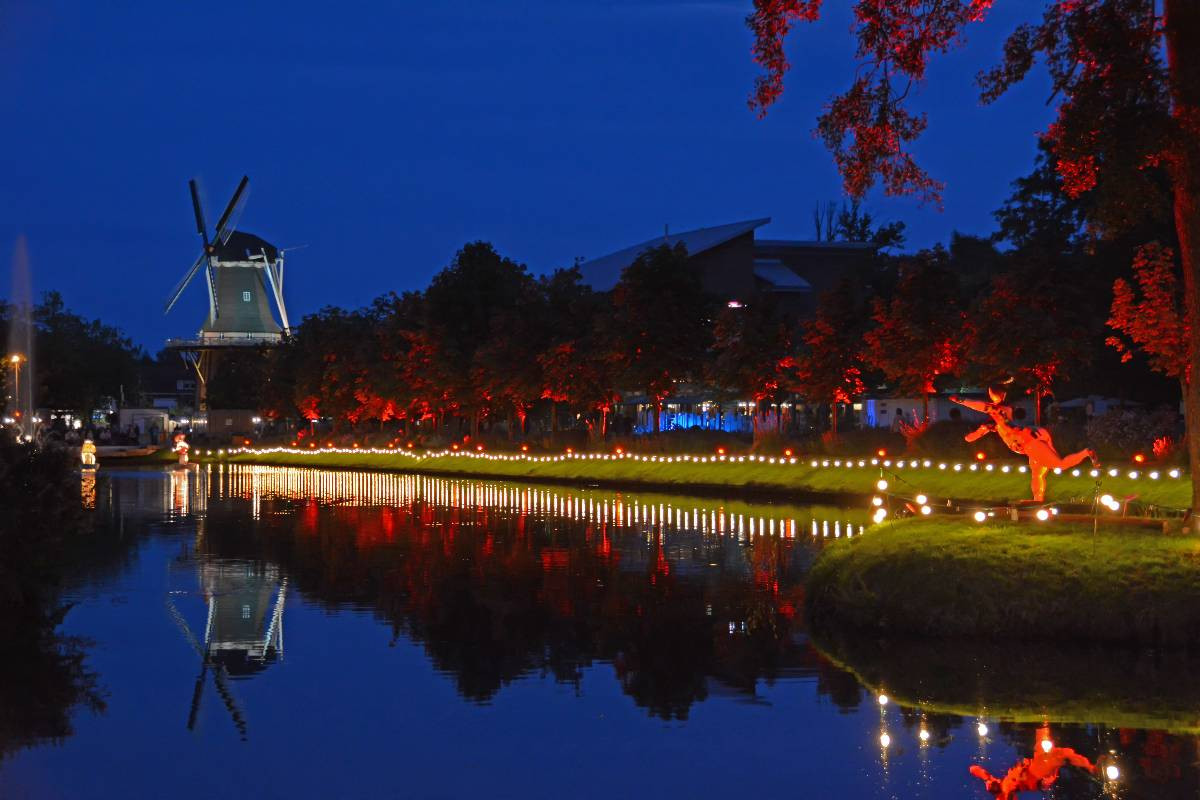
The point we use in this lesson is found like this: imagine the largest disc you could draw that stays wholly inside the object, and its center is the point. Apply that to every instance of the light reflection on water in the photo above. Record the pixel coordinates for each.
(509, 639)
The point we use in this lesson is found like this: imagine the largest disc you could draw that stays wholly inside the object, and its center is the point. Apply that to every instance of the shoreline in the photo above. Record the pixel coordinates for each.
(956, 483)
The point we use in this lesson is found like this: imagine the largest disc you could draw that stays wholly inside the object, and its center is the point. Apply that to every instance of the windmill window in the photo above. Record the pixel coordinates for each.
(245, 297)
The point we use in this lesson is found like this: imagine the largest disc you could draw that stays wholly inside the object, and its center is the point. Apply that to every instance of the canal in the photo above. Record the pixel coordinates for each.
(272, 632)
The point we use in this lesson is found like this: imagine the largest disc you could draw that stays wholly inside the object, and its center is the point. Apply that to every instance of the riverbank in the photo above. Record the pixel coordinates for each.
(948, 577)
(992, 483)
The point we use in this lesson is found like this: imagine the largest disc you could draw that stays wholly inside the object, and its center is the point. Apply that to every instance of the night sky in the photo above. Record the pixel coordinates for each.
(385, 139)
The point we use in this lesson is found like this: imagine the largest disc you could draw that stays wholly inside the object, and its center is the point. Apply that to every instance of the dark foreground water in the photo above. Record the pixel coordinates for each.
(260, 632)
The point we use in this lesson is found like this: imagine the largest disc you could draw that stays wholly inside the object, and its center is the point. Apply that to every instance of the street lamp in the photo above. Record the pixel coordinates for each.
(15, 361)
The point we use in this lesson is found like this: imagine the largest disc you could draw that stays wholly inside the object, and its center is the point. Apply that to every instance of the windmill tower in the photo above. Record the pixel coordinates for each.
(243, 274)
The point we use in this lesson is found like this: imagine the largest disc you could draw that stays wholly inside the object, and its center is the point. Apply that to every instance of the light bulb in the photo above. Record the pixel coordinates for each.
(1047, 745)
(1043, 514)
(881, 485)
(924, 734)
(982, 728)
(922, 499)
(1111, 772)
(884, 740)
(980, 516)
(883, 699)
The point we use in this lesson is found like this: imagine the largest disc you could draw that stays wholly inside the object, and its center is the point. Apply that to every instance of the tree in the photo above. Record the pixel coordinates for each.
(462, 306)
(1128, 127)
(752, 354)
(77, 362)
(831, 366)
(918, 333)
(1152, 317)
(1027, 325)
(658, 330)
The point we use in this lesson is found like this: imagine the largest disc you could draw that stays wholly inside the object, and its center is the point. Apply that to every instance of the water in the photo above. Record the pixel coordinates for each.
(298, 633)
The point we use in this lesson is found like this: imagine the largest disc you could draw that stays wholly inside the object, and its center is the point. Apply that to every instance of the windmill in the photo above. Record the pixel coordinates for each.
(243, 275)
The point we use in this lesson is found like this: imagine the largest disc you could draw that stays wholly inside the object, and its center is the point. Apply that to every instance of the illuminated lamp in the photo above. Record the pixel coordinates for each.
(720, 451)
(880, 515)
(479, 448)
(409, 445)
(570, 450)
(391, 445)
(884, 740)
(356, 445)
(1042, 515)
(293, 444)
(454, 446)
(1106, 500)
(980, 455)
(788, 452)
(524, 448)
(877, 501)
(883, 699)
(1139, 458)
(881, 453)
(1047, 745)
(620, 451)
(982, 729)
(1111, 772)
(881, 485)
(924, 735)
(921, 499)
(980, 516)
(926, 510)
(329, 444)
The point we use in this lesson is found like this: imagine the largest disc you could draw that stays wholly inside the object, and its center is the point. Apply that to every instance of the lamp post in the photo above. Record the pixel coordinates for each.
(15, 361)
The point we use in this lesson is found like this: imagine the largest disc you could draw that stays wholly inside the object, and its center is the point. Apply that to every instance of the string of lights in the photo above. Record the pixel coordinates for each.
(720, 457)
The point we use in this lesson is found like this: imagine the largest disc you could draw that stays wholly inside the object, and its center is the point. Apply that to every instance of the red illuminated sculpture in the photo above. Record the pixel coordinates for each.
(1032, 442)
(1033, 774)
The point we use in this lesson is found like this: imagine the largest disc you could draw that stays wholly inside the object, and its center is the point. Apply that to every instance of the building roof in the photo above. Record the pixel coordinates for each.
(780, 277)
(602, 273)
(801, 244)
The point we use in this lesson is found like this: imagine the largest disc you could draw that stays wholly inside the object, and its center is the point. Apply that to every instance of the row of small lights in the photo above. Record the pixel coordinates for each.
(720, 457)
(921, 502)
(1111, 771)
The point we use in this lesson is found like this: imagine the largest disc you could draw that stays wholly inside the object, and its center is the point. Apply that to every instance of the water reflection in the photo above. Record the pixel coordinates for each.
(690, 611)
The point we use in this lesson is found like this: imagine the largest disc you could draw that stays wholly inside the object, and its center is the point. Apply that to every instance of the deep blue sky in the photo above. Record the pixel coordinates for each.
(385, 139)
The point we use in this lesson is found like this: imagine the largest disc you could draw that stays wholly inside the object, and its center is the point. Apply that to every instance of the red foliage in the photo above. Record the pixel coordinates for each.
(1151, 317)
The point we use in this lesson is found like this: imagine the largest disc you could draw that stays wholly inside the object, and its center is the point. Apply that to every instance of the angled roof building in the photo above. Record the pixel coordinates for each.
(737, 267)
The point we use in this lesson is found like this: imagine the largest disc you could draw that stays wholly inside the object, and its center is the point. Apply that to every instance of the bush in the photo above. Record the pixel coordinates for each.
(1124, 431)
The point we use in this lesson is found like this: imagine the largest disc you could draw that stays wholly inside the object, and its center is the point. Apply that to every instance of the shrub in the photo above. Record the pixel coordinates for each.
(1124, 431)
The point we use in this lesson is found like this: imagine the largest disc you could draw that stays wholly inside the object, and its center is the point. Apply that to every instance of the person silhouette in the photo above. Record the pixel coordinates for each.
(1030, 441)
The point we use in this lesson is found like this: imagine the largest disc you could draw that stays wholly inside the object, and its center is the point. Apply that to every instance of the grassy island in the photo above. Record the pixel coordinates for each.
(975, 483)
(950, 577)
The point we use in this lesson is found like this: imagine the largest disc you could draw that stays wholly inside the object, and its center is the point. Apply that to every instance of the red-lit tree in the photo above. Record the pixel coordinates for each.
(1150, 315)
(1028, 325)
(752, 355)
(919, 331)
(658, 330)
(1128, 127)
(831, 367)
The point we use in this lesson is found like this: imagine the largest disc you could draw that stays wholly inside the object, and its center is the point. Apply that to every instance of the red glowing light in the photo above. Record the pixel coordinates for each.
(293, 444)
(980, 456)
(788, 452)
(329, 444)
(524, 448)
(620, 450)
(720, 451)
(356, 445)
(479, 447)
(454, 446)
(392, 445)
(570, 450)
(881, 453)
(1139, 458)
(410, 444)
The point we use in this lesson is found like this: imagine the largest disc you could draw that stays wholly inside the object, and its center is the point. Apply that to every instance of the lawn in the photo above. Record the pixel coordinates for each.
(981, 485)
(951, 577)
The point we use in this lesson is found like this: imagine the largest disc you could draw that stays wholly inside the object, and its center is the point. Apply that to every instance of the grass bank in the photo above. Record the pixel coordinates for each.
(946, 577)
(762, 474)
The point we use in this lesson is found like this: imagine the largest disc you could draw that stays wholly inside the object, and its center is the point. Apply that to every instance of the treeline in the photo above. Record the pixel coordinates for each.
(487, 343)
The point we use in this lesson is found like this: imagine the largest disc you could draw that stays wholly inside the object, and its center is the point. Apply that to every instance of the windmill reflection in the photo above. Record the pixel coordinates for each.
(243, 627)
